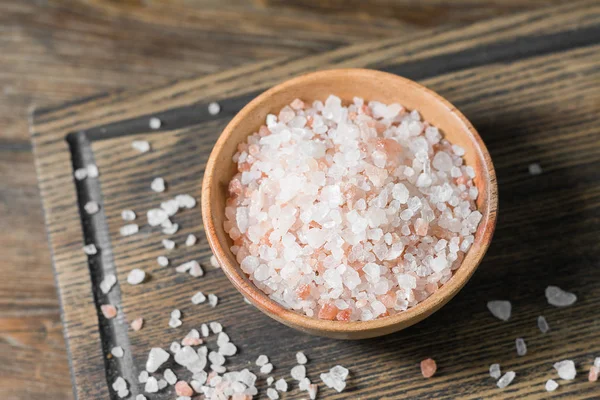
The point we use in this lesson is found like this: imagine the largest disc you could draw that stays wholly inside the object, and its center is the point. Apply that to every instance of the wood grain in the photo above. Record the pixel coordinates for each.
(537, 105)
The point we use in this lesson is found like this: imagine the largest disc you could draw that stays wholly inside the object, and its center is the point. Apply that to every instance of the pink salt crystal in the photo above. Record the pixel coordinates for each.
(137, 324)
(593, 375)
(328, 311)
(183, 389)
(297, 104)
(191, 341)
(421, 227)
(108, 310)
(428, 367)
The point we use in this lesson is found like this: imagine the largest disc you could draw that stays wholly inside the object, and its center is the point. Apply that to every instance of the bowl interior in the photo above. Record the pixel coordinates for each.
(370, 85)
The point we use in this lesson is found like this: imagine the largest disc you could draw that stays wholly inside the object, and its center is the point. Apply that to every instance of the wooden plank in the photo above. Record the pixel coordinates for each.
(536, 105)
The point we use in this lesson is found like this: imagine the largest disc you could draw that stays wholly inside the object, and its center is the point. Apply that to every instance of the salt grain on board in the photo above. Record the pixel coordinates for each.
(129, 230)
(154, 123)
(90, 249)
(156, 358)
(162, 261)
(214, 108)
(500, 309)
(185, 201)
(117, 351)
(495, 371)
(158, 185)
(535, 169)
(428, 368)
(558, 297)
(542, 324)
(137, 324)
(506, 379)
(91, 207)
(335, 378)
(213, 300)
(198, 298)
(168, 244)
(80, 174)
(136, 276)
(108, 310)
(521, 346)
(107, 283)
(262, 360)
(593, 374)
(566, 369)
(551, 385)
(92, 171)
(190, 240)
(214, 262)
(151, 385)
(128, 215)
(266, 369)
(143, 377)
(301, 358)
(298, 372)
(141, 145)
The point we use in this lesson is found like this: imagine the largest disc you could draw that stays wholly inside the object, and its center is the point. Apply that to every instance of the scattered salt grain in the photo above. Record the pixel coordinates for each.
(156, 216)
(91, 207)
(141, 145)
(170, 229)
(154, 123)
(542, 324)
(158, 185)
(198, 298)
(156, 358)
(566, 369)
(80, 174)
(593, 374)
(92, 171)
(266, 369)
(428, 367)
(215, 327)
(117, 351)
(183, 389)
(270, 380)
(137, 324)
(136, 276)
(185, 201)
(175, 323)
(204, 330)
(312, 391)
(175, 347)
(521, 346)
(129, 230)
(272, 394)
(262, 360)
(500, 309)
(162, 384)
(190, 240)
(506, 379)
(168, 244)
(107, 283)
(162, 261)
(228, 349)
(119, 384)
(551, 385)
(335, 378)
(141, 397)
(128, 215)
(213, 300)
(495, 371)
(143, 377)
(535, 169)
(214, 108)
(298, 372)
(90, 249)
(281, 385)
(558, 297)
(108, 310)
(301, 358)
(151, 385)
(196, 270)
(597, 362)
(214, 262)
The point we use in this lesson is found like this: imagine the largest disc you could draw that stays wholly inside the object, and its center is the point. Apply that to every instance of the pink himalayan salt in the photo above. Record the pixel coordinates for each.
(350, 213)
(137, 324)
(191, 341)
(108, 310)
(428, 367)
(241, 396)
(183, 389)
(593, 375)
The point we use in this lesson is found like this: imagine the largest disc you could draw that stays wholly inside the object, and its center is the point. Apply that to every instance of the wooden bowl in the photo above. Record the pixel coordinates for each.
(347, 83)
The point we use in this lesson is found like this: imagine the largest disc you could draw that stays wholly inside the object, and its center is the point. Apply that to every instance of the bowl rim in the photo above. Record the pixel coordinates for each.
(312, 324)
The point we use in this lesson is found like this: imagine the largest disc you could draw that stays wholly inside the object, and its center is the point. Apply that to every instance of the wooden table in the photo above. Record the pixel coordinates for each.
(54, 52)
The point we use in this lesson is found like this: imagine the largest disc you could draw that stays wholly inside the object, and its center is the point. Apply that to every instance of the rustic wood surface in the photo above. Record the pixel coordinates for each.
(54, 51)
(529, 83)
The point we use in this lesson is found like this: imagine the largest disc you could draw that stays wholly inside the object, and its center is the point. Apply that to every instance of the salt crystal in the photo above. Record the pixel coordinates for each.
(312, 391)
(141, 397)
(119, 384)
(266, 369)
(228, 349)
(185, 201)
(272, 394)
(304, 383)
(215, 327)
(521, 346)
(298, 372)
(162, 261)
(500, 309)
(183, 389)
(566, 369)
(128, 215)
(198, 298)
(593, 374)
(551, 385)
(196, 270)
(170, 206)
(262, 360)
(214, 262)
(129, 230)
(558, 297)
(281, 385)
(301, 358)
(428, 368)
(168, 244)
(506, 379)
(154, 123)
(117, 351)
(170, 229)
(214, 108)
(156, 358)
(108, 310)
(162, 384)
(91, 207)
(175, 347)
(151, 385)
(597, 362)
(141, 145)
(158, 185)
(137, 324)
(190, 240)
(143, 377)
(213, 300)
(535, 169)
(542, 324)
(204, 330)
(80, 174)
(136, 276)
(270, 380)
(156, 216)
(107, 283)
(495, 371)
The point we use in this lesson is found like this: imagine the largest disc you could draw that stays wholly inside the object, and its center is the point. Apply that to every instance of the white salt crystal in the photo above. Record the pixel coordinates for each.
(214, 262)
(190, 240)
(535, 169)
(162, 384)
(301, 358)
(162, 261)
(442, 162)
(262, 360)
(170, 376)
(170, 206)
(213, 300)
(158, 185)
(185, 201)
(91, 207)
(495, 371)
(129, 230)
(107, 283)
(272, 394)
(90, 249)
(117, 351)
(566, 369)
(266, 369)
(136, 276)
(215, 327)
(298, 372)
(92, 171)
(304, 383)
(141, 397)
(154, 123)
(119, 384)
(198, 298)
(168, 244)
(204, 330)
(128, 215)
(228, 349)
(597, 362)
(281, 385)
(506, 379)
(542, 324)
(521, 346)
(214, 108)
(151, 385)
(141, 145)
(170, 229)
(558, 297)
(196, 270)
(80, 174)
(143, 377)
(312, 391)
(175, 347)
(500, 309)
(551, 385)
(156, 216)
(156, 358)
